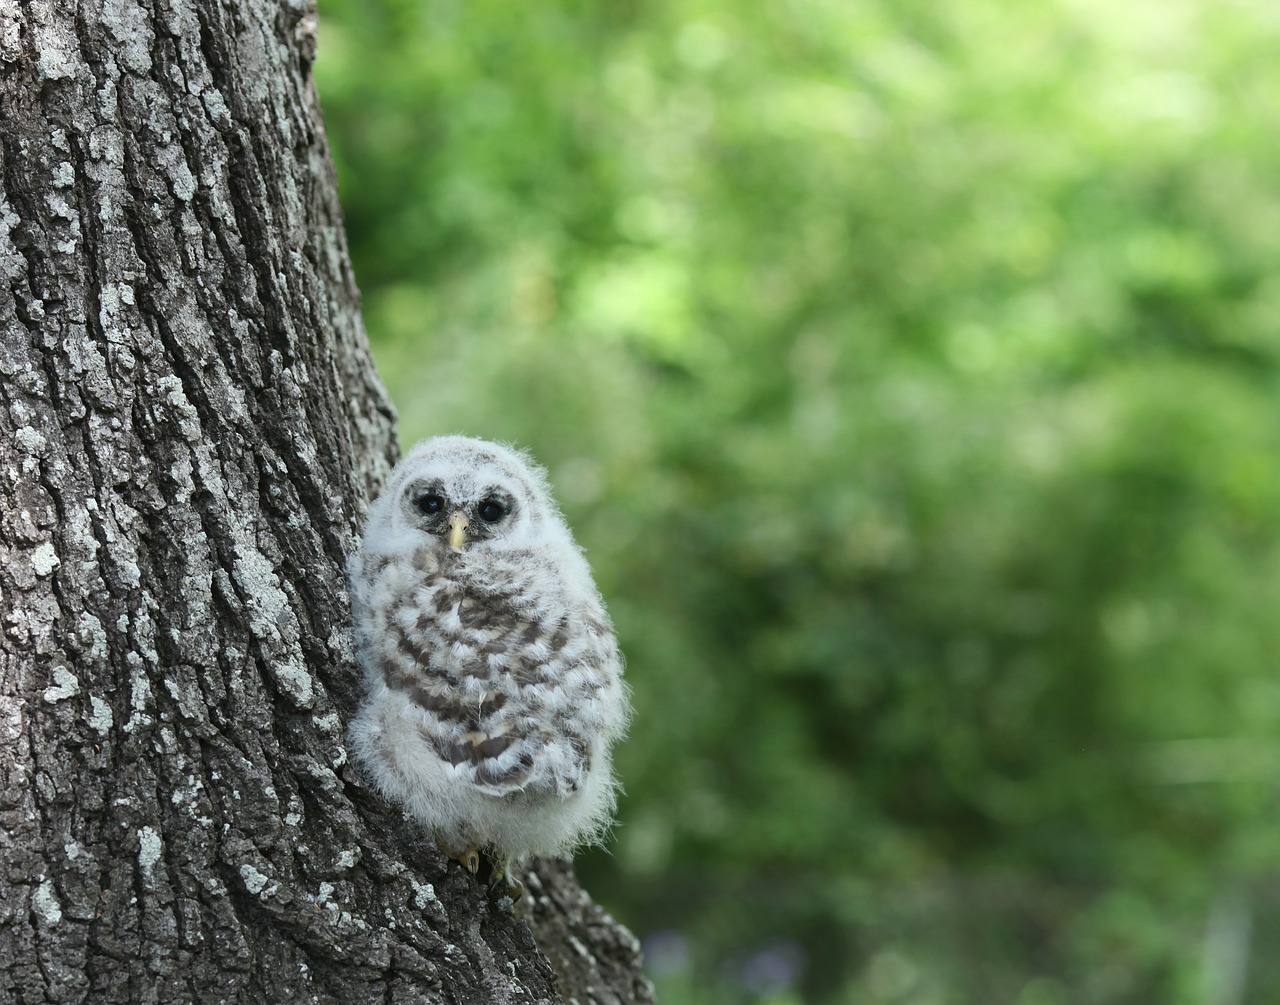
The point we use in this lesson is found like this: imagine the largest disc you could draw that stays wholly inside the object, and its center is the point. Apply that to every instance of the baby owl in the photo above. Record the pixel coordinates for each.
(494, 683)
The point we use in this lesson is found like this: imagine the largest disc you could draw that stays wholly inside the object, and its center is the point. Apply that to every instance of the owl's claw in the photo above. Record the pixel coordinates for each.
(511, 886)
(497, 875)
(469, 859)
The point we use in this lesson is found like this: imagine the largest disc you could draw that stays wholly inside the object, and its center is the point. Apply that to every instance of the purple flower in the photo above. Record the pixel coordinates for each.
(666, 952)
(775, 968)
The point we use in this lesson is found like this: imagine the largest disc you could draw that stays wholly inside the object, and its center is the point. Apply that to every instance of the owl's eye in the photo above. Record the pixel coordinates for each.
(492, 511)
(430, 503)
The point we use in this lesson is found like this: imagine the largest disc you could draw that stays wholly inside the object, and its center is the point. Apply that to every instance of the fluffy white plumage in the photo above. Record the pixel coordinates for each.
(494, 683)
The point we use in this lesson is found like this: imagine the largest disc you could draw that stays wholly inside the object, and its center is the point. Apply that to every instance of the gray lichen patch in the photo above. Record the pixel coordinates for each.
(101, 718)
(44, 559)
(295, 681)
(254, 881)
(55, 58)
(128, 25)
(150, 848)
(45, 903)
(65, 685)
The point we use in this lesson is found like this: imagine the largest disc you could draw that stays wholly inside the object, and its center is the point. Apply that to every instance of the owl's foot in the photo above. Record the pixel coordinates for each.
(498, 877)
(468, 859)
(502, 880)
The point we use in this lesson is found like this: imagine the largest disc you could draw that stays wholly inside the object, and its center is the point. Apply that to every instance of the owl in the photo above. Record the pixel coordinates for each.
(494, 691)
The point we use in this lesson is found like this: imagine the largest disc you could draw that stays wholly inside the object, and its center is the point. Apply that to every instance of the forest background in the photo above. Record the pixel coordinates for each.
(911, 374)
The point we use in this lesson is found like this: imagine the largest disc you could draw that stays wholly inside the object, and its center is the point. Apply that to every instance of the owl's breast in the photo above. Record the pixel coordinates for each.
(502, 669)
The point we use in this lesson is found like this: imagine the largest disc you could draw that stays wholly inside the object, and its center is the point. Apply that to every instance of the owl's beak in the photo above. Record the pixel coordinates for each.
(457, 531)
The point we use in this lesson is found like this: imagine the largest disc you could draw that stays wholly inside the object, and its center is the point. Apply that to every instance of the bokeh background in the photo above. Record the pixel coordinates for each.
(911, 373)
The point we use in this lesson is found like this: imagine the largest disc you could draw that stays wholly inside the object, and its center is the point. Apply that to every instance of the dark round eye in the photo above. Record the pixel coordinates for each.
(491, 511)
(430, 503)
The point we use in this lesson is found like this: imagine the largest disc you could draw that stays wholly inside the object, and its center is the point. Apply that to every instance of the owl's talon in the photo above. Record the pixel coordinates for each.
(502, 879)
(469, 859)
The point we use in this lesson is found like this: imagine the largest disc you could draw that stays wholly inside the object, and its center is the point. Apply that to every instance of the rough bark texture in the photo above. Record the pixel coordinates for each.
(189, 426)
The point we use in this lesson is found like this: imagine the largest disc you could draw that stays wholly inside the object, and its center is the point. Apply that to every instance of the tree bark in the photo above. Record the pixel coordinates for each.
(191, 425)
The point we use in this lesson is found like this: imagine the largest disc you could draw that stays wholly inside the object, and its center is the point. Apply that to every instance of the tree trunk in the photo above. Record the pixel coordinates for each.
(191, 426)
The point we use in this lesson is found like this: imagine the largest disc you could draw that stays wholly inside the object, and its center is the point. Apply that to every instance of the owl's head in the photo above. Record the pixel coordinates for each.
(466, 493)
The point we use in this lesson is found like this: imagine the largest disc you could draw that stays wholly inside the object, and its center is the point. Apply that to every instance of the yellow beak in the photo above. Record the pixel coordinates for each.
(457, 531)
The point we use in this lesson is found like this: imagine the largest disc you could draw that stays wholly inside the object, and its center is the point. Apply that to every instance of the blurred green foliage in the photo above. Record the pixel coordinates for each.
(911, 373)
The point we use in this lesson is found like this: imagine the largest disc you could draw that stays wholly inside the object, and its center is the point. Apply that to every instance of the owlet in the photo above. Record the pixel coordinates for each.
(494, 690)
